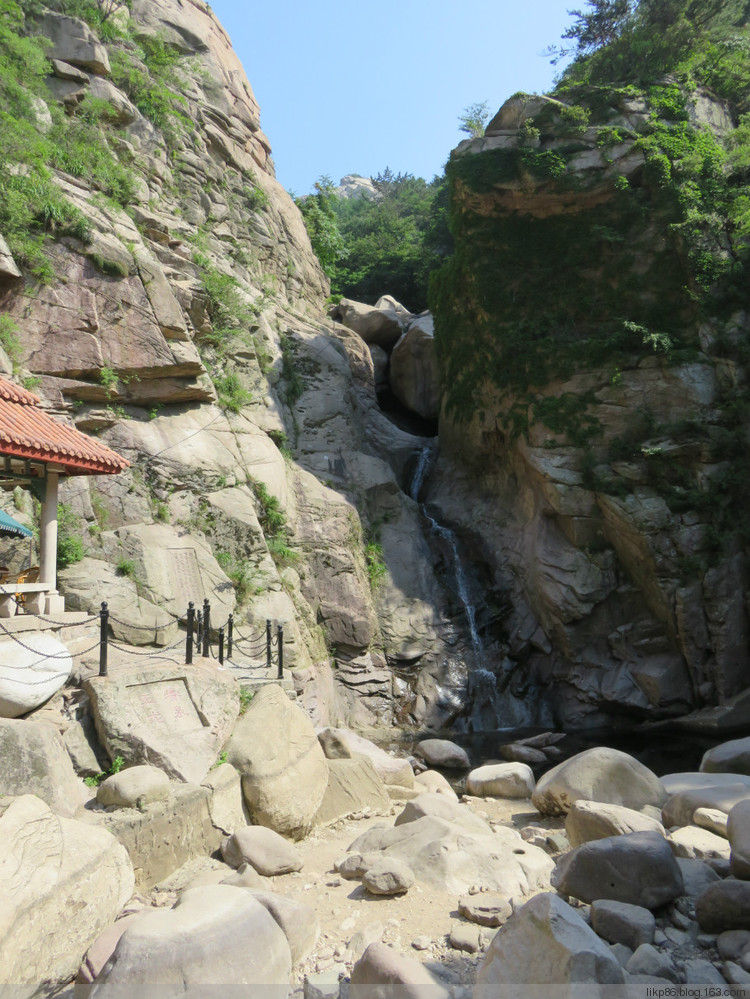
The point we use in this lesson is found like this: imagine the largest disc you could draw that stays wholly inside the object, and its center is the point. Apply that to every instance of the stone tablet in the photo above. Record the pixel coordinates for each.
(175, 718)
(166, 705)
(185, 575)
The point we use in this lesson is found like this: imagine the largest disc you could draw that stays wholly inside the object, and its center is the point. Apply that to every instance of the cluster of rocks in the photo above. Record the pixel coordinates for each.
(402, 347)
(620, 877)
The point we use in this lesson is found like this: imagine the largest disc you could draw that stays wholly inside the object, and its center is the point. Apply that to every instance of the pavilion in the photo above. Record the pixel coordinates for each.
(35, 451)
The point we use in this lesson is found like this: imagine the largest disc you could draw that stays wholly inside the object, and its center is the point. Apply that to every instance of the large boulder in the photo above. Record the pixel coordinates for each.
(134, 787)
(454, 857)
(637, 868)
(176, 718)
(724, 905)
(297, 920)
(599, 774)
(197, 943)
(414, 373)
(353, 786)
(547, 943)
(382, 972)
(381, 326)
(433, 781)
(34, 761)
(589, 820)
(680, 808)
(501, 780)
(265, 850)
(61, 883)
(284, 771)
(619, 922)
(730, 757)
(31, 673)
(738, 831)
(73, 42)
(394, 771)
(442, 753)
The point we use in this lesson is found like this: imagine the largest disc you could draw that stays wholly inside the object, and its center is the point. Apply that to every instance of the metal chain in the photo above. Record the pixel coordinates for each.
(140, 627)
(166, 648)
(69, 624)
(52, 655)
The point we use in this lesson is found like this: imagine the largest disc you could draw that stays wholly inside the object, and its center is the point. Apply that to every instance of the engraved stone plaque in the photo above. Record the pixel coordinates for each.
(165, 706)
(185, 575)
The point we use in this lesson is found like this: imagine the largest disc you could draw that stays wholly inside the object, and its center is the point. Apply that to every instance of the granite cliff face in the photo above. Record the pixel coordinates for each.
(595, 398)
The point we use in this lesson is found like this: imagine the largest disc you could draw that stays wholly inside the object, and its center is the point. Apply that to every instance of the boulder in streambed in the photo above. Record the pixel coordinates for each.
(724, 905)
(395, 772)
(738, 832)
(262, 848)
(589, 820)
(442, 753)
(599, 774)
(730, 757)
(546, 942)
(501, 780)
(284, 771)
(198, 943)
(382, 971)
(638, 868)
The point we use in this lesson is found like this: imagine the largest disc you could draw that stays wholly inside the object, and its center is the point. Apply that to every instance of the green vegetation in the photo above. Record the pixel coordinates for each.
(246, 697)
(94, 781)
(9, 340)
(384, 245)
(70, 547)
(375, 564)
(275, 528)
(242, 574)
(473, 119)
(529, 300)
(126, 567)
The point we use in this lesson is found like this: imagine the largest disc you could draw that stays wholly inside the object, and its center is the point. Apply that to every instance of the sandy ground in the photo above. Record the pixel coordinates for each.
(351, 918)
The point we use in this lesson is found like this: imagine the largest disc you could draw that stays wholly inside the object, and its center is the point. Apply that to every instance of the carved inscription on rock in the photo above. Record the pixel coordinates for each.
(165, 706)
(185, 575)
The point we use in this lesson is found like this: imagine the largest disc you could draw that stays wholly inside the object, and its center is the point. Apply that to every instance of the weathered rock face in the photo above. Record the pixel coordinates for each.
(604, 495)
(54, 866)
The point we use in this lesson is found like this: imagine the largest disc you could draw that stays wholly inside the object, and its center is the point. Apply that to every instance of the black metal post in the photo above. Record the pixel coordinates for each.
(268, 643)
(206, 626)
(230, 636)
(199, 630)
(103, 634)
(280, 637)
(221, 644)
(189, 639)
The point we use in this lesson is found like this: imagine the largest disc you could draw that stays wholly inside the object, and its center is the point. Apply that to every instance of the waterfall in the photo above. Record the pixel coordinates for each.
(472, 688)
(422, 467)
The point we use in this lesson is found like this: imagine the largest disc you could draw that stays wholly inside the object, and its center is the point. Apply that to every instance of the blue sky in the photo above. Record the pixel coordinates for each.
(356, 87)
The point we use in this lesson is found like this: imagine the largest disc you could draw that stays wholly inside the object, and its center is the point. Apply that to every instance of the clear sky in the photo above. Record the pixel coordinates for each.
(353, 87)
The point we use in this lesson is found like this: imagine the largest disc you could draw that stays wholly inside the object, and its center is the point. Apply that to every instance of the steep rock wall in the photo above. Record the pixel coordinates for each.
(591, 330)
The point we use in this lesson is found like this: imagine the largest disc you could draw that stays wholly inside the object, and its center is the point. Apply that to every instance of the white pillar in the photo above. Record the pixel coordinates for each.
(48, 534)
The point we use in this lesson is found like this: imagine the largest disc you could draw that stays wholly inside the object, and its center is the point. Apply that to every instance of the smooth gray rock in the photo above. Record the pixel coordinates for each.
(700, 972)
(134, 787)
(31, 673)
(618, 922)
(297, 919)
(382, 966)
(196, 943)
(269, 853)
(598, 774)
(442, 753)
(589, 820)
(735, 974)
(465, 937)
(696, 876)
(440, 806)
(695, 843)
(732, 944)
(486, 908)
(388, 876)
(738, 832)
(34, 761)
(435, 783)
(637, 868)
(501, 780)
(679, 809)
(724, 906)
(546, 942)
(647, 960)
(730, 757)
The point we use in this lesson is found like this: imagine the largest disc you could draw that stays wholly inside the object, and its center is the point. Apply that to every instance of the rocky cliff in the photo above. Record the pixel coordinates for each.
(176, 310)
(592, 332)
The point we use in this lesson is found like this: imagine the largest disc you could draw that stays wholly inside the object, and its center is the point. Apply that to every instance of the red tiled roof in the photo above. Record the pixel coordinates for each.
(26, 431)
